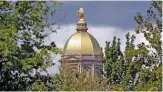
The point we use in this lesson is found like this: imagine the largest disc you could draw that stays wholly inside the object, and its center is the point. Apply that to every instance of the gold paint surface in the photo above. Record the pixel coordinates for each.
(82, 43)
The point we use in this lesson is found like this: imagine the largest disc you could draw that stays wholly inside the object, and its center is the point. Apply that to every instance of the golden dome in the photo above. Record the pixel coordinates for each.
(82, 43)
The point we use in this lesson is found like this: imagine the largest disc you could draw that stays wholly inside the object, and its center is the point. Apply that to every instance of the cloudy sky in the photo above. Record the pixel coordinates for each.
(104, 19)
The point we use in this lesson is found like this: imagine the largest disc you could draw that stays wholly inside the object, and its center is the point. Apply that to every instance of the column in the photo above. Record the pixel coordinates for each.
(93, 70)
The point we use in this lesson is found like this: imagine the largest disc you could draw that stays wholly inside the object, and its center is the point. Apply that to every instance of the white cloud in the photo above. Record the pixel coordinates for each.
(101, 33)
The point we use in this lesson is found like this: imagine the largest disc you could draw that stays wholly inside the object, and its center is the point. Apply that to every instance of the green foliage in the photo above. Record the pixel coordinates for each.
(22, 50)
(38, 86)
(75, 81)
(114, 62)
(151, 80)
(41, 83)
(142, 66)
(151, 27)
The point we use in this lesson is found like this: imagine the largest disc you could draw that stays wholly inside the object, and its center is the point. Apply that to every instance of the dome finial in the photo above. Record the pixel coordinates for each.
(81, 15)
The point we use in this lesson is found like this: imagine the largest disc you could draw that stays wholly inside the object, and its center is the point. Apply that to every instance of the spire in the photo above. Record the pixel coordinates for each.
(81, 25)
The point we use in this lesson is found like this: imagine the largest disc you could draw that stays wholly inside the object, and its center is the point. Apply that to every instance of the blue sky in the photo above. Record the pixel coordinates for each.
(112, 13)
(104, 19)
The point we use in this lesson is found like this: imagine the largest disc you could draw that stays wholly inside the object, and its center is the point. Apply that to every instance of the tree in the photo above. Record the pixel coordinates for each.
(151, 27)
(23, 54)
(132, 65)
(72, 80)
(142, 65)
(120, 68)
(42, 83)
(113, 62)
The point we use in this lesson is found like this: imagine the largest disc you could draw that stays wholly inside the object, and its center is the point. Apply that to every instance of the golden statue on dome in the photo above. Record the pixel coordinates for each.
(81, 15)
